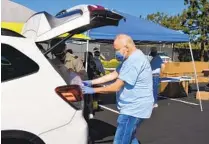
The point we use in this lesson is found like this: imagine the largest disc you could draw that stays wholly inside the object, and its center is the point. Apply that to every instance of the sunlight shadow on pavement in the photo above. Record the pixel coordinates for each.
(100, 130)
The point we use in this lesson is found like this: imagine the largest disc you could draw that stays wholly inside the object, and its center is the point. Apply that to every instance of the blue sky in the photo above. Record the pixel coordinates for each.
(134, 7)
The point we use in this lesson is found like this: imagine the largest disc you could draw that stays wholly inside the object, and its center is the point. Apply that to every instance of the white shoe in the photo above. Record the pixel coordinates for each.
(91, 116)
(155, 105)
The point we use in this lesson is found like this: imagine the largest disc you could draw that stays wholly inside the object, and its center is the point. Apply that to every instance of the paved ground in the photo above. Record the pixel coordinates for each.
(171, 123)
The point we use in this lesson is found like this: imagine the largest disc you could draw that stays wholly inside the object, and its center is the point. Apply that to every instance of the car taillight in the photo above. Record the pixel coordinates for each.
(95, 8)
(70, 93)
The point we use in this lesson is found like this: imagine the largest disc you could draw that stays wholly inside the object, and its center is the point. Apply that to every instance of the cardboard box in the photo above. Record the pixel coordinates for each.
(175, 69)
(203, 95)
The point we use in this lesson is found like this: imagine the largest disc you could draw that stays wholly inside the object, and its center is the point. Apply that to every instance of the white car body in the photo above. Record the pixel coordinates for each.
(164, 57)
(31, 104)
(30, 108)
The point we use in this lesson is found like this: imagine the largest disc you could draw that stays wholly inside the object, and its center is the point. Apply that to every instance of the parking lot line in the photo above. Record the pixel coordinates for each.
(112, 110)
(178, 100)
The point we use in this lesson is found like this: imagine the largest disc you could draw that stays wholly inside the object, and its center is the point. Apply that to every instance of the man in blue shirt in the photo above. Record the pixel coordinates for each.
(133, 86)
(157, 66)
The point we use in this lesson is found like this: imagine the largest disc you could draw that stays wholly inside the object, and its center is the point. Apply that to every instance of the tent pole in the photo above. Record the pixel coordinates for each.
(160, 47)
(87, 49)
(172, 50)
(196, 79)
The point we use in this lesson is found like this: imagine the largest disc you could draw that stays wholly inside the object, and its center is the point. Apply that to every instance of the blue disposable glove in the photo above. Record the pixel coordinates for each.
(88, 90)
(87, 83)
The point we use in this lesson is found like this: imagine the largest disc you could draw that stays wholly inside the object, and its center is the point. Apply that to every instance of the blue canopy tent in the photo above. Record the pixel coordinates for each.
(141, 31)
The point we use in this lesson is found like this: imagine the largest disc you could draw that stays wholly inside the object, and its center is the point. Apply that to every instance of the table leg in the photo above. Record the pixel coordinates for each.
(186, 87)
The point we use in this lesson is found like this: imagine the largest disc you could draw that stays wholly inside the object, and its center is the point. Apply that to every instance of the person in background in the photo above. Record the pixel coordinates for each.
(101, 71)
(59, 51)
(133, 87)
(92, 73)
(68, 75)
(101, 55)
(74, 63)
(91, 65)
(95, 49)
(98, 62)
(157, 66)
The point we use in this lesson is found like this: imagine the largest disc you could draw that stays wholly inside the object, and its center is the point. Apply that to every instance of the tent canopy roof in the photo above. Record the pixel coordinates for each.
(140, 30)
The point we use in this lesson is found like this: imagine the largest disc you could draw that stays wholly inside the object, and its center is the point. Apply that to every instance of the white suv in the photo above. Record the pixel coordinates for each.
(38, 106)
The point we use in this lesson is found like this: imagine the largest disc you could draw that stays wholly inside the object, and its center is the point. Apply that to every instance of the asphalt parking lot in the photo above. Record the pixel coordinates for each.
(173, 122)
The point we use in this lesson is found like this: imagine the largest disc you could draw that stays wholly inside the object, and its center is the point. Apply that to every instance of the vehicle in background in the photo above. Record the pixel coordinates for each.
(163, 56)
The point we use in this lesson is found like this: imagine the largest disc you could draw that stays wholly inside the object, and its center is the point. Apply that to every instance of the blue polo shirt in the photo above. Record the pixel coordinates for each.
(156, 63)
(136, 96)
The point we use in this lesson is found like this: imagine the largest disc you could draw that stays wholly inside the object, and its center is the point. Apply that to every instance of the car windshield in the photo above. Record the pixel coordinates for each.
(162, 54)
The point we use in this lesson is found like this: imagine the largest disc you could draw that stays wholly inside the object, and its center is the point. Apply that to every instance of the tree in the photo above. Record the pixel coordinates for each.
(196, 22)
(157, 17)
(172, 22)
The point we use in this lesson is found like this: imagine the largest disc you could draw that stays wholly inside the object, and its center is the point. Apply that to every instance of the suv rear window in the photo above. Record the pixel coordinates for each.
(15, 64)
(7, 32)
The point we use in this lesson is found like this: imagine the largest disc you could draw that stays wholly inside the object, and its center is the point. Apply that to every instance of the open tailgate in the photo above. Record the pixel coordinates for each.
(42, 26)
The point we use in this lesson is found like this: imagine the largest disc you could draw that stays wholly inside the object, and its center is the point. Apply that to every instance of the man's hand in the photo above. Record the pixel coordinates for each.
(87, 83)
(88, 90)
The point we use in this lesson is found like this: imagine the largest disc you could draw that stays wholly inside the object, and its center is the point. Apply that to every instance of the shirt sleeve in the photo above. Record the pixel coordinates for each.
(129, 74)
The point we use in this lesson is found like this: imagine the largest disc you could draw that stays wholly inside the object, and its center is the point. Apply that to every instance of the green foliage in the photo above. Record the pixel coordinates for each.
(194, 21)
(173, 22)
(104, 63)
(107, 72)
(110, 64)
(195, 45)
